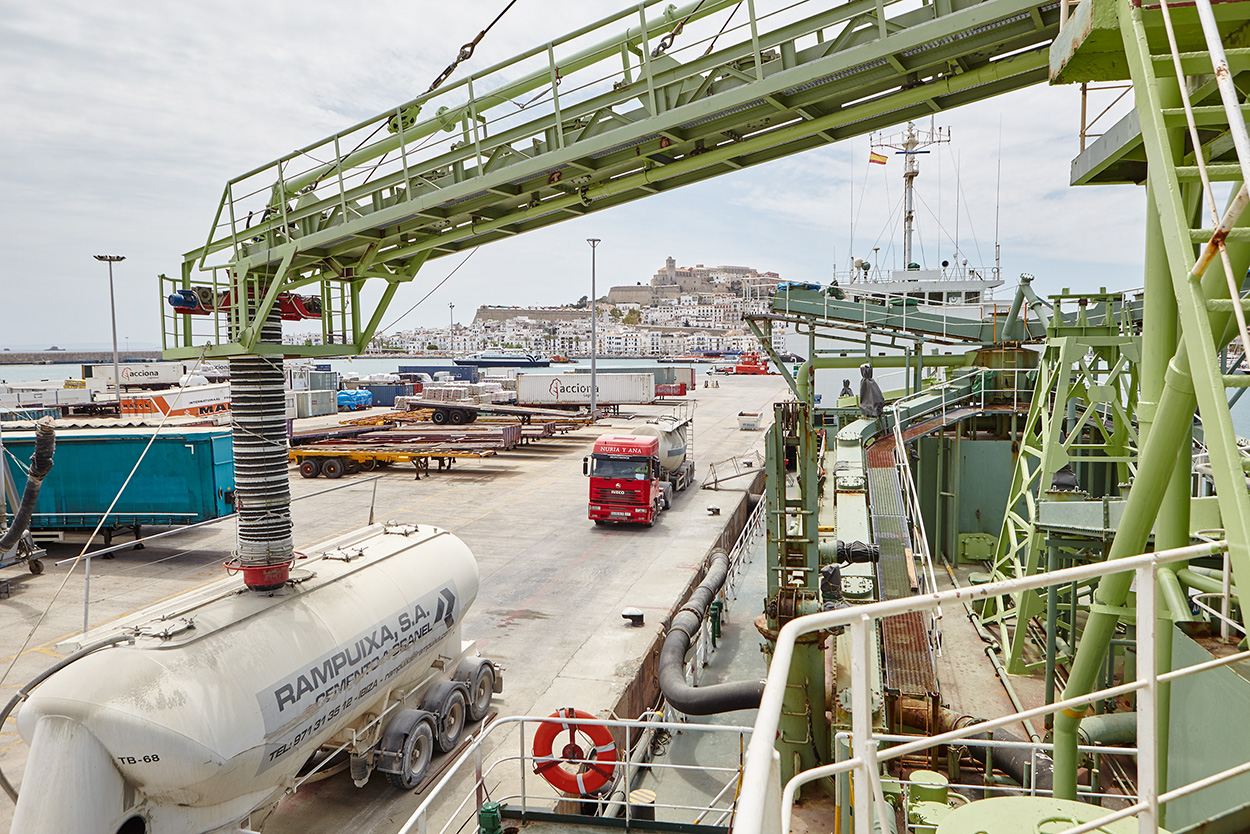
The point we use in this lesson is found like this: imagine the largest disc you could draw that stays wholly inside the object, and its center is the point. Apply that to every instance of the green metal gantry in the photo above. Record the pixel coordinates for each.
(1082, 415)
(640, 102)
(1186, 64)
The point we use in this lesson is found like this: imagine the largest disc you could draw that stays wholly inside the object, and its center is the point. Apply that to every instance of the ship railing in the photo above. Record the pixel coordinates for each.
(953, 315)
(511, 780)
(765, 806)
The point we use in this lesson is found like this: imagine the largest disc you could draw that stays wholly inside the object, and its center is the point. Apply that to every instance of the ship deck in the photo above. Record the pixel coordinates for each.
(552, 584)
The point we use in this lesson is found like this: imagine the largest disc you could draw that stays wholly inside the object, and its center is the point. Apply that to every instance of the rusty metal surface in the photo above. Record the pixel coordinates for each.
(909, 668)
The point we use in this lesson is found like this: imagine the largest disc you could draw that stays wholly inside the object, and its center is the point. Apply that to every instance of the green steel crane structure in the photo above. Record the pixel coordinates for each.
(1186, 132)
(640, 102)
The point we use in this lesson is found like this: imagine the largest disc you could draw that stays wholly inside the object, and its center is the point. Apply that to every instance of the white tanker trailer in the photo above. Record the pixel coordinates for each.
(214, 700)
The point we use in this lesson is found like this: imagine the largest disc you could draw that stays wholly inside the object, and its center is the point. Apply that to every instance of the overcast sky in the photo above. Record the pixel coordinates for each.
(124, 120)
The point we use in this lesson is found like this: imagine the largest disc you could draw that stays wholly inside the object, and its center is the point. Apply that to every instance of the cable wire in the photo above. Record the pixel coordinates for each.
(431, 292)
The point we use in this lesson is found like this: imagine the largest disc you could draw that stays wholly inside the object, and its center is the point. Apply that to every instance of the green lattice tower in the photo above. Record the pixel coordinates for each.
(1109, 39)
(1083, 410)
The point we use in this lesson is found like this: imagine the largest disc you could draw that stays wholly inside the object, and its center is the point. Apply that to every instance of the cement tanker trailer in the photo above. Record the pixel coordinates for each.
(206, 707)
(633, 476)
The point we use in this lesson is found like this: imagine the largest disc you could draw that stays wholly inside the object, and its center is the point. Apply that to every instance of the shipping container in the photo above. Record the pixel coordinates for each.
(458, 372)
(663, 375)
(187, 476)
(134, 375)
(386, 393)
(41, 394)
(574, 389)
(315, 403)
(323, 381)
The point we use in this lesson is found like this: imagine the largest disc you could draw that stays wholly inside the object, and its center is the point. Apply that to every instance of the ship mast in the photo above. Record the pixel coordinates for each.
(911, 144)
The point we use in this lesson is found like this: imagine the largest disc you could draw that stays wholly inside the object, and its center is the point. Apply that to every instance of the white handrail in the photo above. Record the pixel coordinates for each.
(759, 788)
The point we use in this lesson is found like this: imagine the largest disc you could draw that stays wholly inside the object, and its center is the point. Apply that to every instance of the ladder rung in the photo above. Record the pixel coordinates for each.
(1203, 235)
(1217, 173)
(1199, 63)
(1205, 115)
(1236, 380)
(1225, 305)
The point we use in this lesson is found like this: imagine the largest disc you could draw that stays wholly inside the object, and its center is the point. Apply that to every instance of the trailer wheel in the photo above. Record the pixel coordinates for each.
(415, 756)
(368, 464)
(332, 468)
(452, 712)
(351, 466)
(458, 417)
(439, 416)
(36, 566)
(481, 689)
(310, 467)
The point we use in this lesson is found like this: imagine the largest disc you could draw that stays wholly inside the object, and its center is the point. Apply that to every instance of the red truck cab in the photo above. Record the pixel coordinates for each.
(625, 479)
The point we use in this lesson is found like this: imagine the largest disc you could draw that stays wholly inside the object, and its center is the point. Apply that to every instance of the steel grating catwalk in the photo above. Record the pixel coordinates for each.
(909, 666)
(907, 660)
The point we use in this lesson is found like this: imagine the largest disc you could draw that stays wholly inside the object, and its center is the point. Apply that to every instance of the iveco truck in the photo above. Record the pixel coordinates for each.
(634, 476)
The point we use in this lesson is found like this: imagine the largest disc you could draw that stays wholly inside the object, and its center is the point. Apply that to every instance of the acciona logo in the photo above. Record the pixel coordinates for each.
(560, 388)
(139, 373)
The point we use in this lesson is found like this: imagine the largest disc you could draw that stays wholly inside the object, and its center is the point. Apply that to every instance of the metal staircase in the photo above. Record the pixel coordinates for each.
(641, 102)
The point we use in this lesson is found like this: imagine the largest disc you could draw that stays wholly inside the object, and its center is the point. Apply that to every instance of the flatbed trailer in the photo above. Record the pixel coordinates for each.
(503, 436)
(457, 413)
(333, 460)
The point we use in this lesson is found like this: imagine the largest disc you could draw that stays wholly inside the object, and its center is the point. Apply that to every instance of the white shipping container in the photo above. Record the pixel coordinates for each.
(149, 374)
(45, 394)
(574, 389)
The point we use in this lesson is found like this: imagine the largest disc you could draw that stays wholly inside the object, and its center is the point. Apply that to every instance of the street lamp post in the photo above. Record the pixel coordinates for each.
(117, 379)
(452, 309)
(594, 384)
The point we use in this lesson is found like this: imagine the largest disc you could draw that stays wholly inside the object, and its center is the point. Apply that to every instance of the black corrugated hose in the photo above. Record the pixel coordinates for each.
(701, 700)
(40, 465)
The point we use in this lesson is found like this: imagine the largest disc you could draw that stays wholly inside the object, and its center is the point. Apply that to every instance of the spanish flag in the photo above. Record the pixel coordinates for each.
(878, 158)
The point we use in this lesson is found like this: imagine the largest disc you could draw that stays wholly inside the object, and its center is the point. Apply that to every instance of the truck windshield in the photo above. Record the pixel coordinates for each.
(635, 468)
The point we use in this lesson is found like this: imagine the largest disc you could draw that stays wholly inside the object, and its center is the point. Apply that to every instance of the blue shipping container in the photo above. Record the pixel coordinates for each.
(186, 477)
(460, 373)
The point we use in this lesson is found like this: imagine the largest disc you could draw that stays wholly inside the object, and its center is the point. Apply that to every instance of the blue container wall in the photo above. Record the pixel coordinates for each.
(460, 373)
(184, 478)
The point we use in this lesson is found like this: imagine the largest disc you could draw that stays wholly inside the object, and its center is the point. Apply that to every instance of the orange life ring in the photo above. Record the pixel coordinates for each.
(588, 769)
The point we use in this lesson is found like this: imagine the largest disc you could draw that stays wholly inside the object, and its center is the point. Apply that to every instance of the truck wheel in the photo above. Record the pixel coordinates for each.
(458, 417)
(351, 466)
(655, 513)
(451, 720)
(481, 690)
(415, 757)
(310, 467)
(368, 464)
(599, 522)
(332, 468)
(439, 416)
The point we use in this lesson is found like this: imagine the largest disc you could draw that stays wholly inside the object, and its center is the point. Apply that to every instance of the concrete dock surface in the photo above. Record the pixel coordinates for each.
(553, 584)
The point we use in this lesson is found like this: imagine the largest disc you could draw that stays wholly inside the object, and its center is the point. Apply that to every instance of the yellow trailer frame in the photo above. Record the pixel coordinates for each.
(346, 460)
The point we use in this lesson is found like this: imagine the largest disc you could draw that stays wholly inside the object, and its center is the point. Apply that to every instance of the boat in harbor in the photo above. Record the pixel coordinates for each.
(503, 359)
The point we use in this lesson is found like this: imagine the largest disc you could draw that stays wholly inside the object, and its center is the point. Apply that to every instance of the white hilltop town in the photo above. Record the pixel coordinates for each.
(682, 310)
